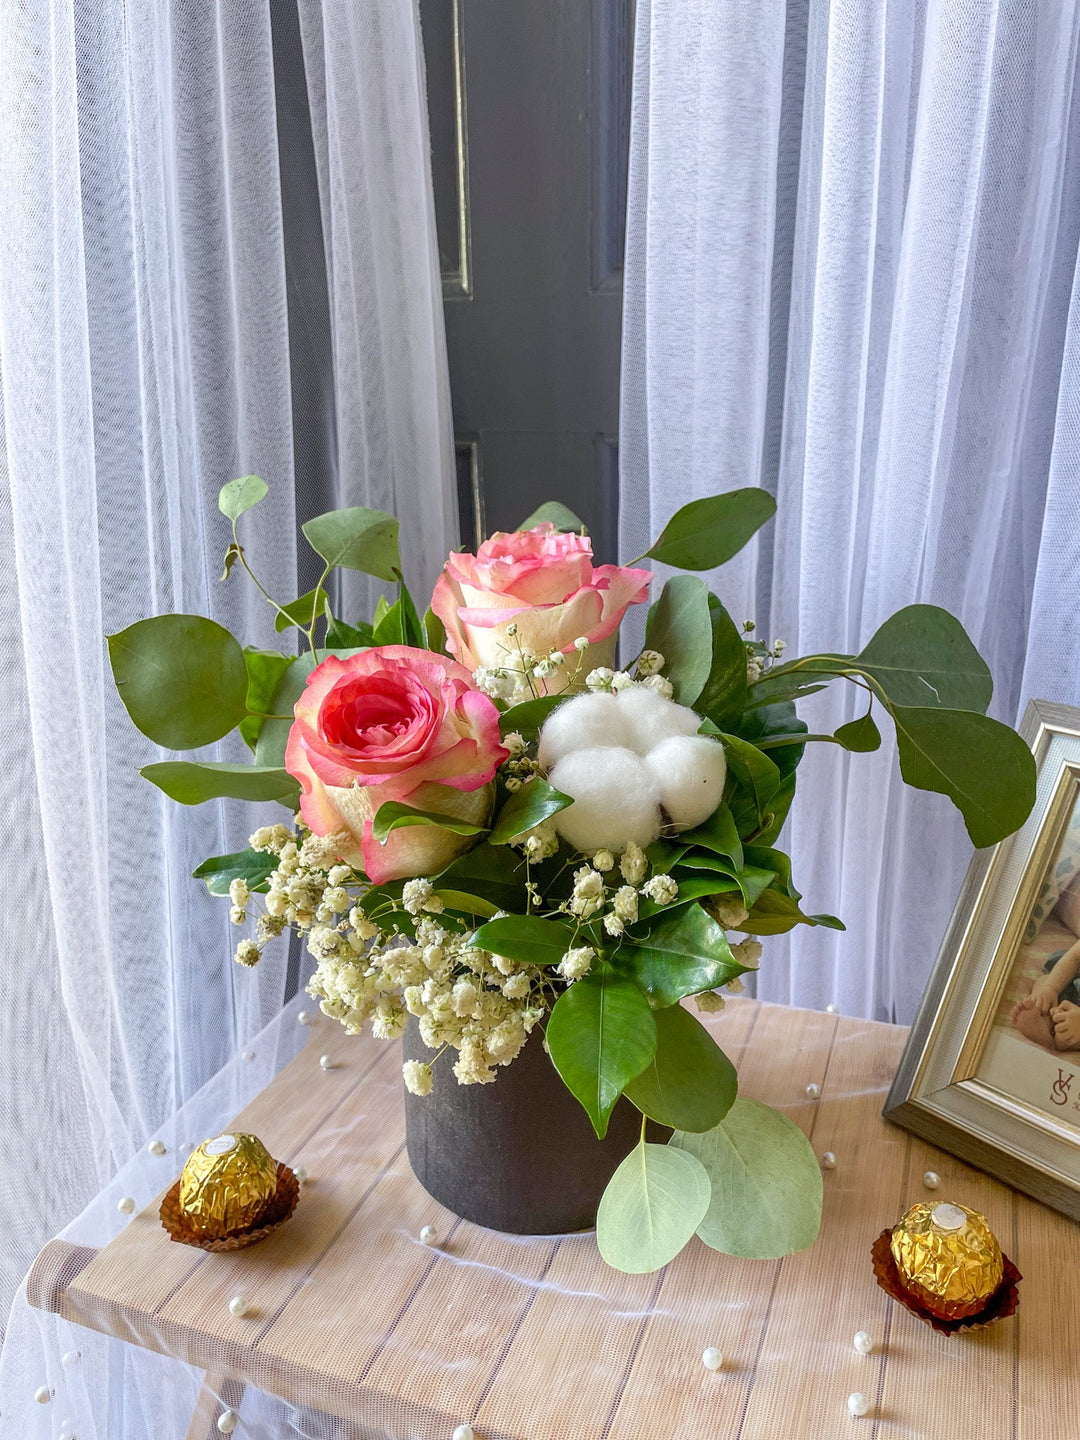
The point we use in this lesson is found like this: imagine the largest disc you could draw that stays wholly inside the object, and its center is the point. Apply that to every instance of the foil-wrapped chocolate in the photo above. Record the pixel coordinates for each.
(227, 1184)
(947, 1258)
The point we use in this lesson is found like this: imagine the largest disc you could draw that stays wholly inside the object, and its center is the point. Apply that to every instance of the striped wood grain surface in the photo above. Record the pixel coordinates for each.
(537, 1339)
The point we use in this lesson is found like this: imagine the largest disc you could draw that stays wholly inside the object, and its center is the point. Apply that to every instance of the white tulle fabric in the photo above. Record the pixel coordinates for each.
(145, 360)
(851, 277)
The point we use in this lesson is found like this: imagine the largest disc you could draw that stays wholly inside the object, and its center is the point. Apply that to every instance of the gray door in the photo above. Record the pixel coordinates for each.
(529, 103)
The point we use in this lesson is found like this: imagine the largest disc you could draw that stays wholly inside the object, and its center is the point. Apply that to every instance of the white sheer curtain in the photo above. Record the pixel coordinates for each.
(851, 277)
(147, 305)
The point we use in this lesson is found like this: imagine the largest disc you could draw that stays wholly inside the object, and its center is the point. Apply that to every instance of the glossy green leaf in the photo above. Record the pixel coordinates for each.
(254, 867)
(191, 782)
(756, 771)
(527, 807)
(708, 532)
(691, 887)
(984, 768)
(302, 611)
(473, 905)
(690, 1084)
(265, 669)
(749, 879)
(860, 735)
(718, 834)
(767, 858)
(684, 953)
(558, 514)
(182, 679)
(651, 1208)
(526, 938)
(723, 698)
(394, 815)
(765, 1179)
(601, 1033)
(775, 913)
(491, 872)
(340, 636)
(680, 628)
(434, 633)
(357, 539)
(527, 719)
(240, 495)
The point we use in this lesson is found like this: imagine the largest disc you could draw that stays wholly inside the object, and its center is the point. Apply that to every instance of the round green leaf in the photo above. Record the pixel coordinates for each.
(860, 735)
(357, 539)
(690, 1084)
(680, 627)
(254, 867)
(182, 678)
(923, 656)
(534, 802)
(766, 1183)
(559, 515)
(240, 495)
(651, 1208)
(684, 953)
(600, 1035)
(708, 532)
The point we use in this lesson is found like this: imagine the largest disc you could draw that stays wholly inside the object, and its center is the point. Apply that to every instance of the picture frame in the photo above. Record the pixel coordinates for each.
(982, 1075)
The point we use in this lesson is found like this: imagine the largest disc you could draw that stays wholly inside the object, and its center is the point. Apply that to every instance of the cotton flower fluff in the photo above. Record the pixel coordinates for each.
(615, 798)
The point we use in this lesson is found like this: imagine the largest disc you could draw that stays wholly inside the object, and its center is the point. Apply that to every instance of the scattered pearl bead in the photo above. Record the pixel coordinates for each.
(248, 1055)
(43, 1395)
(828, 1161)
(429, 1235)
(712, 1358)
(931, 1179)
(862, 1342)
(304, 1017)
(226, 1421)
(239, 1306)
(300, 1173)
(126, 1206)
(858, 1404)
(813, 1090)
(464, 1432)
(832, 1009)
(326, 1061)
(71, 1358)
(156, 1147)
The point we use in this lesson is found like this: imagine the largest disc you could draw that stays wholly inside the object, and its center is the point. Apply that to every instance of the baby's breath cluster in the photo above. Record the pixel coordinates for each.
(759, 655)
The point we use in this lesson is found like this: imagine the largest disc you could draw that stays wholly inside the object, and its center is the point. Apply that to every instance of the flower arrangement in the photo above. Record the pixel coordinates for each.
(495, 831)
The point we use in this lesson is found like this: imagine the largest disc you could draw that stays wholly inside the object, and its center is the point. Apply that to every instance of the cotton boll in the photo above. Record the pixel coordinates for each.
(647, 718)
(689, 771)
(586, 722)
(616, 799)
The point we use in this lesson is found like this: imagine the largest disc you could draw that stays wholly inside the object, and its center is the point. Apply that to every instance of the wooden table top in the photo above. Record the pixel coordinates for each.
(536, 1339)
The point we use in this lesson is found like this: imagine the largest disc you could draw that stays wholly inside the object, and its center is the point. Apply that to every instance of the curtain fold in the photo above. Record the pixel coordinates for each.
(864, 303)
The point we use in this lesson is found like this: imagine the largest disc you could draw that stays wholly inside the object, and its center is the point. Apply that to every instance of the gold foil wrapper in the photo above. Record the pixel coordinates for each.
(227, 1184)
(947, 1256)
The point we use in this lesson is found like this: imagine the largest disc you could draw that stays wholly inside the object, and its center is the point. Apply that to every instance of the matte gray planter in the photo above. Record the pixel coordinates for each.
(519, 1155)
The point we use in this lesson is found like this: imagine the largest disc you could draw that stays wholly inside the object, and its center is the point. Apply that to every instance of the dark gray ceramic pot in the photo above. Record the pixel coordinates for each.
(519, 1155)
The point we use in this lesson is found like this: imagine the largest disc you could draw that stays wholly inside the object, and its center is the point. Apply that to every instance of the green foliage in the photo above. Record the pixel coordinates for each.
(708, 532)
(680, 627)
(252, 866)
(525, 808)
(191, 782)
(264, 670)
(525, 938)
(558, 514)
(718, 834)
(272, 739)
(922, 656)
(434, 633)
(303, 611)
(399, 623)
(601, 1033)
(357, 539)
(723, 698)
(775, 912)
(748, 879)
(489, 872)
(240, 495)
(758, 776)
(859, 735)
(691, 887)
(527, 719)
(651, 1208)
(473, 906)
(684, 953)
(766, 1183)
(340, 636)
(690, 1084)
(395, 816)
(182, 678)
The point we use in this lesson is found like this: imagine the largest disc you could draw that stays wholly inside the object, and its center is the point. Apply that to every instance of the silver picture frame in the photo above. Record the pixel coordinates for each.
(964, 1083)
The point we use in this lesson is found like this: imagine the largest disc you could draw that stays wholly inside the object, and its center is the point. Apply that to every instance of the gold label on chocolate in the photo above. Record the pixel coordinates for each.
(227, 1183)
(948, 1257)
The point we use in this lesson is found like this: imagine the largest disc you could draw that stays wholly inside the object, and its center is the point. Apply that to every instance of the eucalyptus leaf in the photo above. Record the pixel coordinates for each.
(265, 669)
(708, 532)
(191, 782)
(680, 628)
(340, 636)
(526, 938)
(254, 867)
(922, 656)
(557, 514)
(302, 611)
(527, 807)
(357, 539)
(182, 678)
(394, 815)
(859, 735)
(240, 495)
(690, 1084)
(684, 952)
(765, 1179)
(651, 1208)
(601, 1033)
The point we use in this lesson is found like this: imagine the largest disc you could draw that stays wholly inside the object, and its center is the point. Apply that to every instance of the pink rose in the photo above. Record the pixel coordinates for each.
(393, 723)
(544, 581)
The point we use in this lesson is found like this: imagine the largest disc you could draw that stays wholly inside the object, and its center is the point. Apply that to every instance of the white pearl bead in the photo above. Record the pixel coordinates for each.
(226, 1421)
(71, 1358)
(326, 1061)
(429, 1235)
(828, 1161)
(857, 1403)
(248, 1055)
(813, 1090)
(832, 1009)
(239, 1306)
(712, 1358)
(156, 1147)
(931, 1179)
(43, 1395)
(862, 1342)
(464, 1432)
(304, 1017)
(126, 1206)
(300, 1173)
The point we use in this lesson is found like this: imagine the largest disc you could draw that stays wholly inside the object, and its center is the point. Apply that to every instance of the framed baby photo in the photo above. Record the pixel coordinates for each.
(991, 1071)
